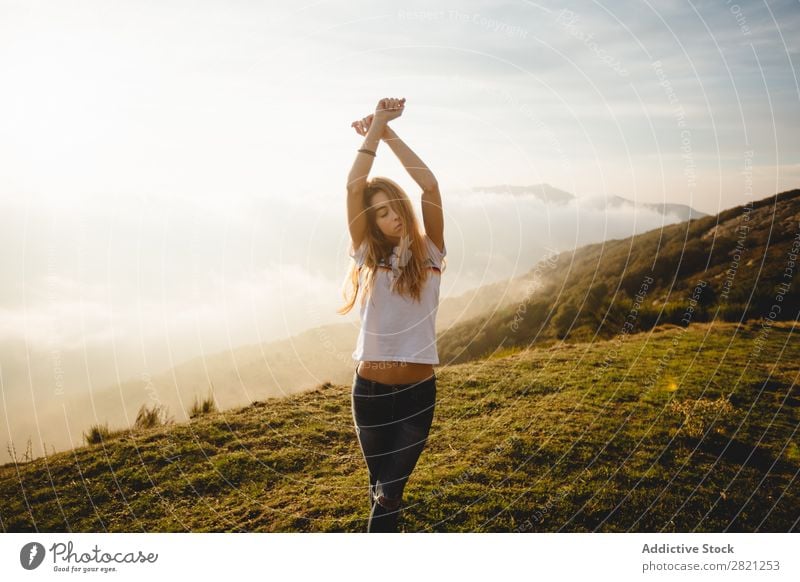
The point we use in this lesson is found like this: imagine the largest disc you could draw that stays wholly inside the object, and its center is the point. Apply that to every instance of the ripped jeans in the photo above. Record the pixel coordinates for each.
(392, 422)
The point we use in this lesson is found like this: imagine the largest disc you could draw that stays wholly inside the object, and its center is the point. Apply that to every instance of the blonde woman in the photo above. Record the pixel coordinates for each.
(397, 270)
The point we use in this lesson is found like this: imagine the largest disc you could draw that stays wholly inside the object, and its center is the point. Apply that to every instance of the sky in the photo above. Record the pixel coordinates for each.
(173, 173)
(240, 99)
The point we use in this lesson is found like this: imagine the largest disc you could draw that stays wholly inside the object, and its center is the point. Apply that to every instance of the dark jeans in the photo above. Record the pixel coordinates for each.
(392, 422)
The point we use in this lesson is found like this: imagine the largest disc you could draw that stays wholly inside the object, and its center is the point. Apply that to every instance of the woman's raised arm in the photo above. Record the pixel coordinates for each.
(357, 179)
(356, 182)
(432, 214)
(386, 110)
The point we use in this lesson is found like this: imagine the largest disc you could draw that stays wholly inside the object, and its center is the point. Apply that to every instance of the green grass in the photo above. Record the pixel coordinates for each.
(563, 438)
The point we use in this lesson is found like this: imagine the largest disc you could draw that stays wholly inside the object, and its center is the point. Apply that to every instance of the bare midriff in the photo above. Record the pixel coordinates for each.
(388, 372)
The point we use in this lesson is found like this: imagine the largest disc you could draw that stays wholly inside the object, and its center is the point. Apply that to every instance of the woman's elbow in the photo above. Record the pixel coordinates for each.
(431, 187)
(355, 186)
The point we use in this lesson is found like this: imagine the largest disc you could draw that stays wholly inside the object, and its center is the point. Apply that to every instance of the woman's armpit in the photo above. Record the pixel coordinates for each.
(358, 254)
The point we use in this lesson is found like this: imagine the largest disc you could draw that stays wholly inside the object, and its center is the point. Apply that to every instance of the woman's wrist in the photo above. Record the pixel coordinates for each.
(388, 133)
(373, 136)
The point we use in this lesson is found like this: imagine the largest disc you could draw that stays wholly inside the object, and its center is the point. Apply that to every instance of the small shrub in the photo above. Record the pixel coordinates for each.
(152, 417)
(205, 406)
(97, 434)
(12, 452)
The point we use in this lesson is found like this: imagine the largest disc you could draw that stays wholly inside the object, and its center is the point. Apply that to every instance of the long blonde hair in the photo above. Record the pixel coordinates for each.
(414, 275)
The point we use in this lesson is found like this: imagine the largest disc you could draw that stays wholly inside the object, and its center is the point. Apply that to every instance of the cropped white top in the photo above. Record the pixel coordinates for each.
(396, 327)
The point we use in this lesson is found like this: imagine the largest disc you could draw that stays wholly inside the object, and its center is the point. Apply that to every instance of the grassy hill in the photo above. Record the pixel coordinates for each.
(676, 429)
(740, 256)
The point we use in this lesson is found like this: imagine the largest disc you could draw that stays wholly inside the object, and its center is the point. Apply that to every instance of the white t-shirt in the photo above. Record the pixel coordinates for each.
(396, 327)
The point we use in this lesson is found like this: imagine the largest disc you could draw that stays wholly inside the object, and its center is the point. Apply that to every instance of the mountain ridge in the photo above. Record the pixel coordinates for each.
(552, 195)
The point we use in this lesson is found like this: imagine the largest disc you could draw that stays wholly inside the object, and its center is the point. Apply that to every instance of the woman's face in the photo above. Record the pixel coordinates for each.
(389, 222)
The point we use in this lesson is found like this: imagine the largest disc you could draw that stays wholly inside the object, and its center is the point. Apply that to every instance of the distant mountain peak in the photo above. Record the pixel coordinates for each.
(682, 211)
(552, 195)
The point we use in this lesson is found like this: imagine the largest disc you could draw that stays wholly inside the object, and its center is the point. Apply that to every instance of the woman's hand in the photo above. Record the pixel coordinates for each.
(362, 125)
(389, 108)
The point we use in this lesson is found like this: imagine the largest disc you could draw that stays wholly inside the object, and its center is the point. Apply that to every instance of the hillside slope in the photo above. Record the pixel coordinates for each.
(681, 429)
(739, 258)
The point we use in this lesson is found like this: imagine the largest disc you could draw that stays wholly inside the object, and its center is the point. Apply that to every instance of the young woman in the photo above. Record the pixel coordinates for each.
(397, 269)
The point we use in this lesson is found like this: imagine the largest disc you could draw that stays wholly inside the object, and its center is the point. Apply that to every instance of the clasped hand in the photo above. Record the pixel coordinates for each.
(386, 110)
